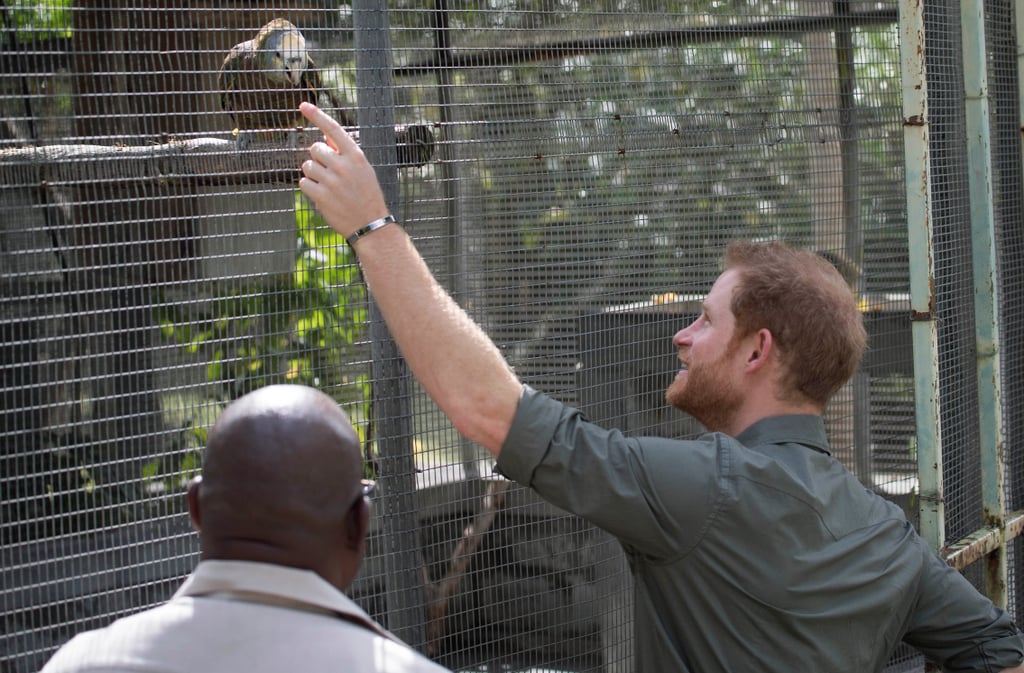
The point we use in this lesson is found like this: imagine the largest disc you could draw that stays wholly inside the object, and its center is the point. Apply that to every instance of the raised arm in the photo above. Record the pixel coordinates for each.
(453, 359)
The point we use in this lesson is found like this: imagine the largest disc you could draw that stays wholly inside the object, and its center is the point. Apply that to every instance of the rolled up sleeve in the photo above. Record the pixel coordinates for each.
(530, 436)
(958, 628)
(655, 494)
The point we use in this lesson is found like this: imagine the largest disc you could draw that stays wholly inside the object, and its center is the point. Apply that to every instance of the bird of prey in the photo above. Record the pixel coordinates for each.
(263, 80)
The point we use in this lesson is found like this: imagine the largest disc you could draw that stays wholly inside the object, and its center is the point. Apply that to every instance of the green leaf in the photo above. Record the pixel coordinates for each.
(190, 463)
(150, 469)
(215, 369)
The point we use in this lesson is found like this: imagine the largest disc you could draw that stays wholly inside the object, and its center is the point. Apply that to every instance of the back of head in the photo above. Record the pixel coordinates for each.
(281, 475)
(808, 307)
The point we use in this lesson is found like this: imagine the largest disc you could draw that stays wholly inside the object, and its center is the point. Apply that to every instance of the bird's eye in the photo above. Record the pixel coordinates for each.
(277, 54)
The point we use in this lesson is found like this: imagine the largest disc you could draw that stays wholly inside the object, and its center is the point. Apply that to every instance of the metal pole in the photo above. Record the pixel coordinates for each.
(849, 158)
(393, 403)
(456, 234)
(848, 142)
(1019, 21)
(986, 288)
(923, 312)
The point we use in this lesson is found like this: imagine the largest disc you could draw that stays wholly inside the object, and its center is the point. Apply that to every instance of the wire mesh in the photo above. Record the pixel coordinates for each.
(957, 374)
(1008, 163)
(584, 166)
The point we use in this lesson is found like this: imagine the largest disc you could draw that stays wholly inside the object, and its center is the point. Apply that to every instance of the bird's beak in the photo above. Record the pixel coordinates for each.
(295, 74)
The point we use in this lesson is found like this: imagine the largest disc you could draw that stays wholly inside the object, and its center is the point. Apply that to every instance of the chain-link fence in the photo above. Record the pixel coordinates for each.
(572, 172)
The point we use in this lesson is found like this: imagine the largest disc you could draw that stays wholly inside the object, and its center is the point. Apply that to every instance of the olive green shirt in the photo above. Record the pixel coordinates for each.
(757, 553)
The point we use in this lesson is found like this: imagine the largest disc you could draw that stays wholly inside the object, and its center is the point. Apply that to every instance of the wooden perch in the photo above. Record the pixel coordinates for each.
(196, 161)
(439, 595)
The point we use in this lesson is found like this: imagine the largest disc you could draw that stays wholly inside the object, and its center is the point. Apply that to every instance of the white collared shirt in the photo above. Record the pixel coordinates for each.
(245, 617)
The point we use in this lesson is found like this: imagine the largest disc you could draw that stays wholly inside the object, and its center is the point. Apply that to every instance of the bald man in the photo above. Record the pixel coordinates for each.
(282, 516)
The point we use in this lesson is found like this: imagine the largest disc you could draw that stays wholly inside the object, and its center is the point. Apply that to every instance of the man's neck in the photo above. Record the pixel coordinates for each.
(746, 417)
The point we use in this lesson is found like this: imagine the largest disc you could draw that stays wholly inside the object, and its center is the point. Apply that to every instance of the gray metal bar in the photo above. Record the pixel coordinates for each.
(986, 287)
(1018, 12)
(448, 169)
(849, 158)
(627, 41)
(848, 142)
(392, 399)
(924, 330)
(982, 542)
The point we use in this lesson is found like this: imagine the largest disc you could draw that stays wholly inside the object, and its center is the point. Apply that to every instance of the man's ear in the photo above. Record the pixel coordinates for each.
(358, 524)
(193, 501)
(760, 349)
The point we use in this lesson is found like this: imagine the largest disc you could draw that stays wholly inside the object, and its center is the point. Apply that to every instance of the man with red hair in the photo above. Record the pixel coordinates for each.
(751, 547)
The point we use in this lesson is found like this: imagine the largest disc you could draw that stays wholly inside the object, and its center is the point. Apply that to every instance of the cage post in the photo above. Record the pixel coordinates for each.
(848, 140)
(455, 232)
(1019, 22)
(923, 312)
(392, 398)
(986, 288)
(849, 158)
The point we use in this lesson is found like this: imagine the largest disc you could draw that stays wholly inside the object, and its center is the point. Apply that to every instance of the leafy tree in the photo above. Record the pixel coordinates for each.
(33, 20)
(306, 329)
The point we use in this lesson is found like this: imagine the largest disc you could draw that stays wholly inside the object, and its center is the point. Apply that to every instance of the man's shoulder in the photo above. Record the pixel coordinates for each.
(102, 649)
(182, 635)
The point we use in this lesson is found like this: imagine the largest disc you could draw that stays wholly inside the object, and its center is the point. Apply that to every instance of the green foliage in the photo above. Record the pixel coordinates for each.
(297, 329)
(662, 154)
(33, 20)
(303, 328)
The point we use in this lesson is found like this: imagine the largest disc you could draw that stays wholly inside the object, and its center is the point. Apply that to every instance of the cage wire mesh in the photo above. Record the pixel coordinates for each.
(570, 171)
(954, 280)
(1005, 82)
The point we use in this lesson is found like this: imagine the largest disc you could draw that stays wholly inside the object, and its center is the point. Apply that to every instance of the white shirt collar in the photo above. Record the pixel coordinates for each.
(274, 585)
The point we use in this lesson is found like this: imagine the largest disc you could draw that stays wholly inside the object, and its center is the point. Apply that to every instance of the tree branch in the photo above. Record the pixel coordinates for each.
(439, 595)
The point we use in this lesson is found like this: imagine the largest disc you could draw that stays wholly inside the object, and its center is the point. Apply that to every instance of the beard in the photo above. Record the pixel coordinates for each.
(706, 394)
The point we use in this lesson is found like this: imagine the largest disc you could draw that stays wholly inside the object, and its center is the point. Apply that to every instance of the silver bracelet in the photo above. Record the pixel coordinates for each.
(370, 228)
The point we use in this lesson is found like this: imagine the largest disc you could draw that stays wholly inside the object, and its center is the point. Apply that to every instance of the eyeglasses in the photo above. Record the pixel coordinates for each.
(367, 487)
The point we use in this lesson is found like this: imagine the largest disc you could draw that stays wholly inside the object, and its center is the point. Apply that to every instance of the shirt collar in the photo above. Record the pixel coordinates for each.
(805, 429)
(274, 585)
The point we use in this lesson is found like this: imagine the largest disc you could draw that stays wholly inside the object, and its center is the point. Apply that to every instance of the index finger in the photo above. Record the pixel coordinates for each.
(333, 131)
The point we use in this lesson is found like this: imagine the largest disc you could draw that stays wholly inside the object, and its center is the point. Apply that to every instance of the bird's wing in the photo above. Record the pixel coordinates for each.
(314, 83)
(311, 76)
(238, 59)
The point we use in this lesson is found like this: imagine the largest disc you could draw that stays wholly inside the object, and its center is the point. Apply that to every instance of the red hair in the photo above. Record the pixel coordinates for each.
(807, 306)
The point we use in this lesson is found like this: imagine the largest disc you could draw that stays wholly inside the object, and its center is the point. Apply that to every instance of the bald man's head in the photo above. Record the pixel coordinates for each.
(281, 484)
